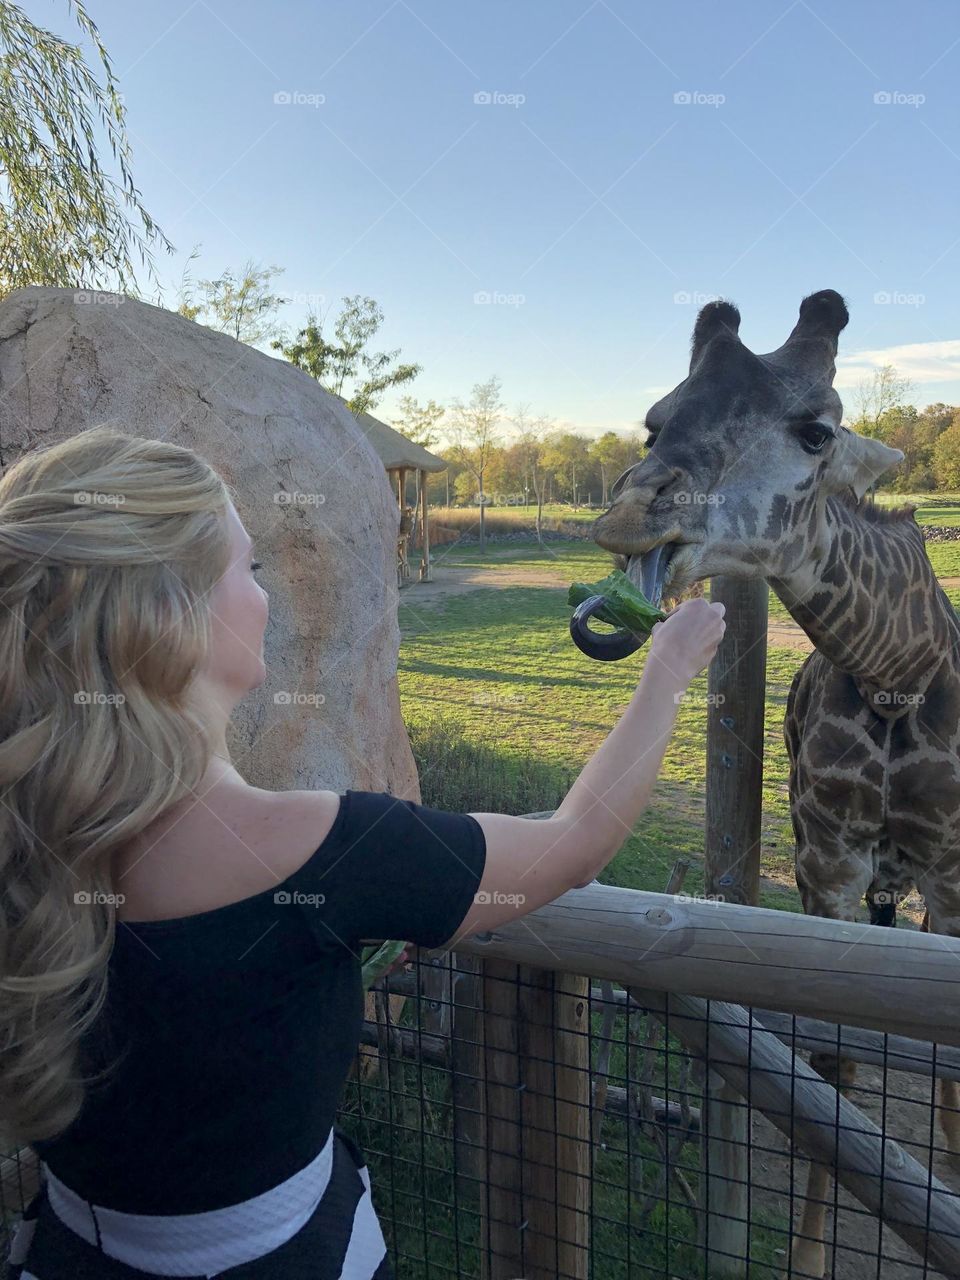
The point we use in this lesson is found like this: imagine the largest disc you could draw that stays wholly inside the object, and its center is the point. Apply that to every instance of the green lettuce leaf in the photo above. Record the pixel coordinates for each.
(624, 604)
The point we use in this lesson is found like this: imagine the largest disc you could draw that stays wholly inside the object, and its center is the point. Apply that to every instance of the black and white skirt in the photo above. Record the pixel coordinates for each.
(318, 1225)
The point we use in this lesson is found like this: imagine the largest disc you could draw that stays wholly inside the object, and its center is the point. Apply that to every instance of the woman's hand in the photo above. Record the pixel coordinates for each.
(687, 639)
(402, 959)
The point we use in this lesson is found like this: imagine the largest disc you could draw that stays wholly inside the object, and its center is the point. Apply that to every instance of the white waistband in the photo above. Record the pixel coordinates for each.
(191, 1244)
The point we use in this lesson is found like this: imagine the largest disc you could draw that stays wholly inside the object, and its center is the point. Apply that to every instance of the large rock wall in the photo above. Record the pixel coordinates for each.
(308, 486)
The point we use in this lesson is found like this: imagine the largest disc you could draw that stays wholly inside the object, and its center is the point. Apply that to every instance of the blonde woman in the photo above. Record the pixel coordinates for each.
(180, 995)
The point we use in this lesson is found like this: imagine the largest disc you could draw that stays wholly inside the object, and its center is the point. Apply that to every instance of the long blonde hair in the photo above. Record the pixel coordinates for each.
(109, 547)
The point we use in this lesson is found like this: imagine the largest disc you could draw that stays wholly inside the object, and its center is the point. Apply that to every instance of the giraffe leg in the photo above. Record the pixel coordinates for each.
(808, 1257)
(838, 901)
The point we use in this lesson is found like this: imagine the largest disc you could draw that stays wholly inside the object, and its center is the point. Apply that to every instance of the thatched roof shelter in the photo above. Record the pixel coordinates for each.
(400, 455)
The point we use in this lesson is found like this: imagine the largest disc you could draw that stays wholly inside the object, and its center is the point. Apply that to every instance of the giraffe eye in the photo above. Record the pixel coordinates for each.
(814, 435)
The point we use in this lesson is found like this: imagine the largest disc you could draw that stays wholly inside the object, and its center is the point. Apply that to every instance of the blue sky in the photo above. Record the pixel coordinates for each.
(591, 206)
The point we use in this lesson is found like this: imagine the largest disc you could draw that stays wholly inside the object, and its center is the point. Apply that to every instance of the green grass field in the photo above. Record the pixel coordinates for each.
(497, 669)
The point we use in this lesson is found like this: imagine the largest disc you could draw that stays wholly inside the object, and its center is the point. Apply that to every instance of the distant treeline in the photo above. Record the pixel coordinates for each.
(579, 469)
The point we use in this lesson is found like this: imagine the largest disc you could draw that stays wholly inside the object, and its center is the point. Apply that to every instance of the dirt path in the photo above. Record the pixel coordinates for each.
(454, 581)
(905, 1118)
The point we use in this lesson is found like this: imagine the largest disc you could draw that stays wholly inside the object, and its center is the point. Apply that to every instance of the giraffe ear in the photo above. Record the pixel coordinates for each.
(859, 461)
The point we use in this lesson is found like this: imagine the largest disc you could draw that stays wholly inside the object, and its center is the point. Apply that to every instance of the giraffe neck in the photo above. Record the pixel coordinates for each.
(871, 602)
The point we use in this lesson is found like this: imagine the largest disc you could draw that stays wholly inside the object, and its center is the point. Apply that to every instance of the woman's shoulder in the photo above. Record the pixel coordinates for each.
(239, 843)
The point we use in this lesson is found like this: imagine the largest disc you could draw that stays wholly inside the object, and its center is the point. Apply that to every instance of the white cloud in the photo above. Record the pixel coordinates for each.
(921, 362)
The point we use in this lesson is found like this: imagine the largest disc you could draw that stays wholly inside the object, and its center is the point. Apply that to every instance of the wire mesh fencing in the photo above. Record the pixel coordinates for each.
(521, 1123)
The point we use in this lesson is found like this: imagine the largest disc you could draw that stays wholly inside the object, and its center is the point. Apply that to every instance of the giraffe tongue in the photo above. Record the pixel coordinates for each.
(648, 570)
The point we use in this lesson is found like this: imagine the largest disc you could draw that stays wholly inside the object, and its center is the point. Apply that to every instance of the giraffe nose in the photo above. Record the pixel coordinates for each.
(652, 475)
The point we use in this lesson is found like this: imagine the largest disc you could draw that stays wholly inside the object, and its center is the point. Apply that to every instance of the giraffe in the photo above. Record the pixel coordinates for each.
(750, 473)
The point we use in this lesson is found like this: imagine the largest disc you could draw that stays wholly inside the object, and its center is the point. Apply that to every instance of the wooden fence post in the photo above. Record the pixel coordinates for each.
(736, 695)
(537, 1122)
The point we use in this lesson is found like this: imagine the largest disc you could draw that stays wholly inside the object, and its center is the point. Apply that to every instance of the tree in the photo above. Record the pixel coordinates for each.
(946, 456)
(242, 306)
(566, 454)
(875, 396)
(335, 363)
(419, 422)
(473, 432)
(613, 454)
(531, 436)
(60, 221)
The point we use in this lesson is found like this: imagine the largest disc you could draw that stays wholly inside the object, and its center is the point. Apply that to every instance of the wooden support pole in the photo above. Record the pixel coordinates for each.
(736, 686)
(467, 1090)
(425, 574)
(537, 1073)
(827, 1127)
(736, 689)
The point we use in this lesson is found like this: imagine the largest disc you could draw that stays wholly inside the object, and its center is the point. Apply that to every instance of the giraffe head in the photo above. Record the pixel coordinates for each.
(743, 455)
